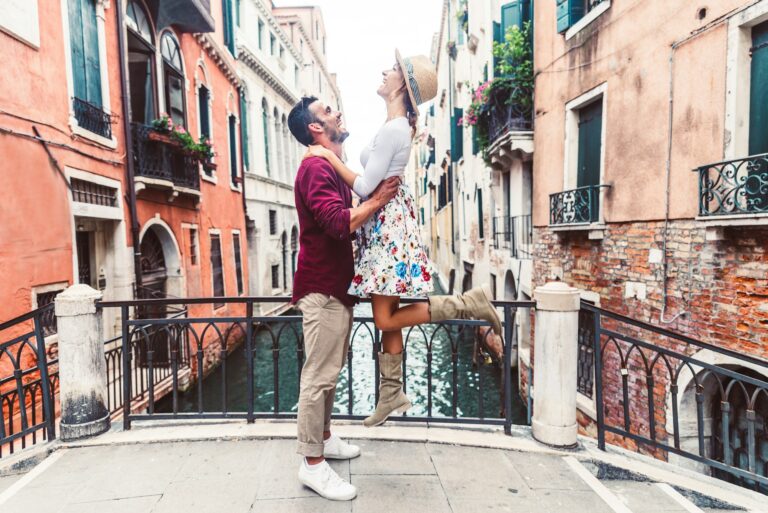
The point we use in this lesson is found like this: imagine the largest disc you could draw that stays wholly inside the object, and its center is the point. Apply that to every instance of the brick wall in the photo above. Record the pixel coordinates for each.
(721, 286)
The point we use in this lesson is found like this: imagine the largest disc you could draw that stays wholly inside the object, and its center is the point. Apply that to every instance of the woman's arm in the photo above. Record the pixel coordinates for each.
(339, 166)
(386, 144)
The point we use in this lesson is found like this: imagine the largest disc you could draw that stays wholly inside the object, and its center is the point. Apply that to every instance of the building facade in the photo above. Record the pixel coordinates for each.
(117, 192)
(472, 174)
(650, 187)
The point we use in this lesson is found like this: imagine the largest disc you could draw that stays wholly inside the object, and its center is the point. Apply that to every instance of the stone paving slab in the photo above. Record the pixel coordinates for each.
(6, 481)
(383, 458)
(541, 472)
(399, 494)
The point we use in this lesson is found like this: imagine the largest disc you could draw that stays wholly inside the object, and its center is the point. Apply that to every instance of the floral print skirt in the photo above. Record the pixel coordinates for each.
(391, 259)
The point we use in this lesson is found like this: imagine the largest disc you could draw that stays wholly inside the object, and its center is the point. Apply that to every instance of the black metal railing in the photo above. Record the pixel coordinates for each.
(510, 111)
(591, 4)
(734, 187)
(28, 383)
(92, 118)
(274, 345)
(514, 233)
(159, 158)
(171, 347)
(674, 396)
(581, 205)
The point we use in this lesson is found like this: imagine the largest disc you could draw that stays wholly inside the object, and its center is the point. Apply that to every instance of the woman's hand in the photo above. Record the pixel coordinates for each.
(316, 150)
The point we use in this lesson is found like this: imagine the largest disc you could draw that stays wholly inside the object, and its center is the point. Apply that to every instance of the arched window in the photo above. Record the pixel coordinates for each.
(141, 63)
(265, 126)
(173, 79)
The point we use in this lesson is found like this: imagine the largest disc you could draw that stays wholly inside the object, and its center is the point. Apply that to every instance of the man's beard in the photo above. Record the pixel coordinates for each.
(339, 136)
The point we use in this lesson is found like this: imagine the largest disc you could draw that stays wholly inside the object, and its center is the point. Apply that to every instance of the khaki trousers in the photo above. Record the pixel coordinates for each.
(327, 324)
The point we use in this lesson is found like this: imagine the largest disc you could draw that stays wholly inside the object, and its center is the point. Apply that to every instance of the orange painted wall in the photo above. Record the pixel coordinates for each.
(35, 218)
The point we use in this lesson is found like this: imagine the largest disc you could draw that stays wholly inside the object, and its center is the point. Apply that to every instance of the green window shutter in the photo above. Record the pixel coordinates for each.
(229, 29)
(84, 47)
(77, 49)
(758, 99)
(244, 131)
(590, 131)
(475, 141)
(233, 149)
(568, 13)
(457, 135)
(480, 222)
(265, 123)
(202, 112)
(511, 16)
(498, 38)
(237, 12)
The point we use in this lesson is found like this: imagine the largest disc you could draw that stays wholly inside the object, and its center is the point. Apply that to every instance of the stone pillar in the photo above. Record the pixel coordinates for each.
(82, 368)
(554, 372)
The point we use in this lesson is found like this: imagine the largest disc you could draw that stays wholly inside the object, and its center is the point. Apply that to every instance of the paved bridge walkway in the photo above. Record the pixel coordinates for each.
(159, 470)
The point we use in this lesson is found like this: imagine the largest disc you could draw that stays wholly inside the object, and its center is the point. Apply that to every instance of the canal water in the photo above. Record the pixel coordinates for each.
(470, 401)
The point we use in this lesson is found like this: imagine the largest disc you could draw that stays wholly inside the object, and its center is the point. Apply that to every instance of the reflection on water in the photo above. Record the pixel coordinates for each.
(478, 388)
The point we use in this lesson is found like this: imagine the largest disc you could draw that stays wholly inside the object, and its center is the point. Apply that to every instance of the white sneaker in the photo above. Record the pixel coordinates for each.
(322, 479)
(338, 449)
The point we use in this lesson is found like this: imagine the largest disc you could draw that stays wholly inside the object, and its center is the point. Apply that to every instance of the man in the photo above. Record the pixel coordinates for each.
(324, 271)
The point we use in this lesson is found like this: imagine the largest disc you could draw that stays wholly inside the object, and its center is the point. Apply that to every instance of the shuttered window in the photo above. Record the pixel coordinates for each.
(234, 172)
(84, 47)
(217, 270)
(758, 101)
(457, 135)
(480, 219)
(265, 128)
(244, 141)
(203, 97)
(238, 262)
(229, 26)
(275, 276)
(590, 132)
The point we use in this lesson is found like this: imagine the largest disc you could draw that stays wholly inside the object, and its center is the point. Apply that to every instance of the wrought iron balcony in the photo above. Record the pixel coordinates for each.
(734, 187)
(577, 206)
(92, 118)
(160, 159)
(514, 233)
(591, 4)
(510, 111)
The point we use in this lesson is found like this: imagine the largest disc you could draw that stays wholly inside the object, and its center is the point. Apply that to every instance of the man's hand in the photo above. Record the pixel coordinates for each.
(385, 191)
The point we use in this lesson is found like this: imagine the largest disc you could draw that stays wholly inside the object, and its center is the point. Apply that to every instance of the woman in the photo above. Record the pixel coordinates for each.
(392, 262)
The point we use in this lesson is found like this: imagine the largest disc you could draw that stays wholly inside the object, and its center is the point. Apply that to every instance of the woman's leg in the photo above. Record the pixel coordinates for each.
(391, 341)
(388, 316)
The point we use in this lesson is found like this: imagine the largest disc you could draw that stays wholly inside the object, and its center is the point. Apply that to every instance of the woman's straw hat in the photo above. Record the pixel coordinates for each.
(420, 78)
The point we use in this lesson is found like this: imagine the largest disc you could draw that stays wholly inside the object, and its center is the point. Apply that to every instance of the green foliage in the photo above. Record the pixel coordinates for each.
(203, 149)
(515, 59)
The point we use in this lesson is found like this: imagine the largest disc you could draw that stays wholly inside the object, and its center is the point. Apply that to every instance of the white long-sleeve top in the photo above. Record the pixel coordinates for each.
(385, 156)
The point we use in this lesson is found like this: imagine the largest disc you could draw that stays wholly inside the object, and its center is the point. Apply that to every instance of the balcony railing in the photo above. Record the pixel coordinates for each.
(577, 206)
(92, 118)
(510, 111)
(734, 187)
(591, 4)
(514, 233)
(160, 159)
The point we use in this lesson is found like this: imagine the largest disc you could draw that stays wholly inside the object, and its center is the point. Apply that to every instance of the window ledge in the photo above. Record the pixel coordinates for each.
(235, 188)
(715, 225)
(587, 19)
(211, 179)
(596, 230)
(87, 134)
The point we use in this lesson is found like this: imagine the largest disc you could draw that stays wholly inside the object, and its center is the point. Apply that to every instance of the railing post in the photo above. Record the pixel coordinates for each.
(508, 335)
(556, 354)
(82, 368)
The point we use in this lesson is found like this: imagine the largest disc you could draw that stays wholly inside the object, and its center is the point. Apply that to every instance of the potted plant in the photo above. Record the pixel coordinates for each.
(165, 131)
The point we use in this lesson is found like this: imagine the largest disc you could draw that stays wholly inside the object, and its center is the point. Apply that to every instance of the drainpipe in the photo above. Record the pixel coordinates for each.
(122, 47)
(454, 189)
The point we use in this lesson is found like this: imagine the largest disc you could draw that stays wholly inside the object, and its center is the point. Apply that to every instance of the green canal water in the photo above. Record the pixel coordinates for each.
(470, 401)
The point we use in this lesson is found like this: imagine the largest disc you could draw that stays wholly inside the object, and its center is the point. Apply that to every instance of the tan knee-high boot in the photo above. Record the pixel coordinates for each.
(473, 304)
(391, 396)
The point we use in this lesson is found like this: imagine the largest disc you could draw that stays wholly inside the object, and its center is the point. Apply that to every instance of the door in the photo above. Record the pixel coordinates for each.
(757, 198)
(83, 242)
(588, 165)
(154, 276)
